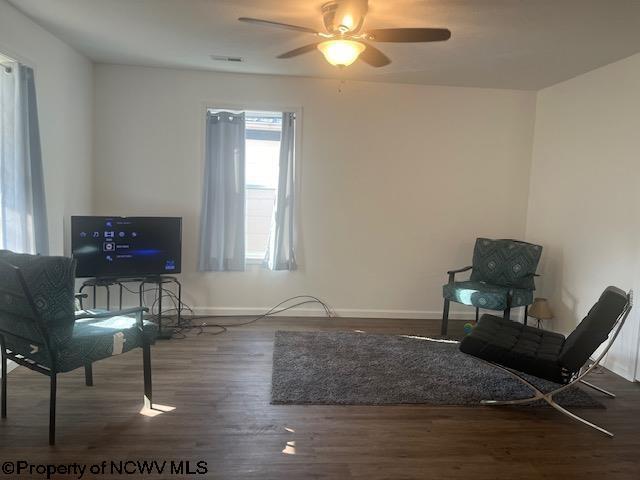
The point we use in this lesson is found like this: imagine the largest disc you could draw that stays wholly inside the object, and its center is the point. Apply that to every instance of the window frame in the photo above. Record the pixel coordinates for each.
(261, 107)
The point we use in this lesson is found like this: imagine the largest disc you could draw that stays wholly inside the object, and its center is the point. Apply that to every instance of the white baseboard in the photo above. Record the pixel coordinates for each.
(454, 314)
(340, 312)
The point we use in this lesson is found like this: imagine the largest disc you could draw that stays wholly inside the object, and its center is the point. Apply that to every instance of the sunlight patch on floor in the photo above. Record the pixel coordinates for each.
(156, 410)
(429, 339)
(290, 448)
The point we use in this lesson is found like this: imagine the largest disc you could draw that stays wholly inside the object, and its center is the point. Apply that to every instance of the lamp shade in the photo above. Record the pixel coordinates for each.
(341, 53)
(540, 309)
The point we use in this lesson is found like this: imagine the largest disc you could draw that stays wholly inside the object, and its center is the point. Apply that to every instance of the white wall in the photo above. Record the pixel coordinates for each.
(397, 180)
(64, 86)
(584, 203)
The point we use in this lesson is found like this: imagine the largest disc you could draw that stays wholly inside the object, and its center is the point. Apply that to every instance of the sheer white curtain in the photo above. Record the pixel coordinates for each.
(222, 222)
(23, 218)
(281, 252)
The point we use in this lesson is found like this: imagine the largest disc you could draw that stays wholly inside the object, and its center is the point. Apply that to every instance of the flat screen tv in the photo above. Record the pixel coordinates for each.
(108, 247)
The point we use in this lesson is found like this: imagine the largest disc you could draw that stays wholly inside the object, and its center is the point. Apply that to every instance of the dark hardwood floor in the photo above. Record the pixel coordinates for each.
(219, 389)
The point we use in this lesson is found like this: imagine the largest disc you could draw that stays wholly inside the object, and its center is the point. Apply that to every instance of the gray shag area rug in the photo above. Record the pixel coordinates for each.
(345, 368)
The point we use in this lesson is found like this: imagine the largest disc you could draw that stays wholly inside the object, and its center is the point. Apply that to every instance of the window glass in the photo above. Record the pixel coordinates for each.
(262, 151)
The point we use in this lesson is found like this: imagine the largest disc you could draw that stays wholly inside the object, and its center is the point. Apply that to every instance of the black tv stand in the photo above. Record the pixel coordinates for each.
(159, 280)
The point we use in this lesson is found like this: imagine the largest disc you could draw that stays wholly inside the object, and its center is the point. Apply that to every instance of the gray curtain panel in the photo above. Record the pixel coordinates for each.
(222, 222)
(281, 254)
(23, 215)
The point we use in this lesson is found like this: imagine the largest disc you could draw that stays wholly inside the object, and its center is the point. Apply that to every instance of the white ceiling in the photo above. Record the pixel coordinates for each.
(522, 44)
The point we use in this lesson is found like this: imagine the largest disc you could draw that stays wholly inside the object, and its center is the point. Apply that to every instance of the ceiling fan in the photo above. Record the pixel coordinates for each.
(345, 40)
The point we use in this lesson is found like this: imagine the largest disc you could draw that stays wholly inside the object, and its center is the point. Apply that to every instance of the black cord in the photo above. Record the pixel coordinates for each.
(186, 325)
(224, 327)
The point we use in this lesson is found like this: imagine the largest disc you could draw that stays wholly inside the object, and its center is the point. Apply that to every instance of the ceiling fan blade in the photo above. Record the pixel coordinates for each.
(299, 51)
(410, 34)
(267, 23)
(374, 57)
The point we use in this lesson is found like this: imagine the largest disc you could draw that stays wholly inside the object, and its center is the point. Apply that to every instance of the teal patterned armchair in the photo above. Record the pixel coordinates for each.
(41, 330)
(502, 277)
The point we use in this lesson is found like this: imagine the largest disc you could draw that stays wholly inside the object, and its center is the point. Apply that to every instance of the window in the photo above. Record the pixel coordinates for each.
(262, 152)
(263, 131)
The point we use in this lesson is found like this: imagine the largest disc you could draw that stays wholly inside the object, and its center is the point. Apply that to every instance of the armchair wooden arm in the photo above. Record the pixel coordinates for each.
(452, 273)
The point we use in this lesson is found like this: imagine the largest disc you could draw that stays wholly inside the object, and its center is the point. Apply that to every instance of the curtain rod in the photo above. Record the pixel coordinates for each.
(236, 111)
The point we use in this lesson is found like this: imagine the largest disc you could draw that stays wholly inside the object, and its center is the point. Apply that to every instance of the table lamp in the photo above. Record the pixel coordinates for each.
(540, 310)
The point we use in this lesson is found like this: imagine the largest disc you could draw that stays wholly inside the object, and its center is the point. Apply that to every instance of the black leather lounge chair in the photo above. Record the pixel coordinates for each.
(515, 347)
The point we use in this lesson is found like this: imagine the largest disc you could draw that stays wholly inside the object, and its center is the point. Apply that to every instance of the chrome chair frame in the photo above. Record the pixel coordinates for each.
(578, 378)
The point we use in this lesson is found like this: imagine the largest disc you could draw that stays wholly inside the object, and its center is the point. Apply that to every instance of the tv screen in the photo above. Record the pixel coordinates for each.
(126, 246)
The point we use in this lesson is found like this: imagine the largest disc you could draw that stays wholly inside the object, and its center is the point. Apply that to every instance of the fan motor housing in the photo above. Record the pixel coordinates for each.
(335, 11)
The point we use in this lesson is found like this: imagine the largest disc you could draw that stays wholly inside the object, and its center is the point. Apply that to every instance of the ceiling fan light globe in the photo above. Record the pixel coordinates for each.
(341, 53)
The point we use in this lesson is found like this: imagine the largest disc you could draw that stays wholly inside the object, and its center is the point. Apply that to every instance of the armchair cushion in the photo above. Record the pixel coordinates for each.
(509, 263)
(98, 338)
(483, 295)
(93, 339)
(514, 345)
